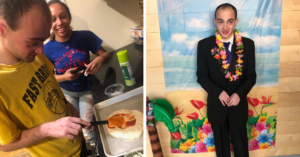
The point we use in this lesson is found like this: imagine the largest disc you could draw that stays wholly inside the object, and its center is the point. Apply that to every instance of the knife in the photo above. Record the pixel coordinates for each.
(95, 123)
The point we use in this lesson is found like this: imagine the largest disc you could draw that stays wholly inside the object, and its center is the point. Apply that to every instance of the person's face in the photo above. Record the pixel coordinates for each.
(225, 22)
(28, 40)
(60, 20)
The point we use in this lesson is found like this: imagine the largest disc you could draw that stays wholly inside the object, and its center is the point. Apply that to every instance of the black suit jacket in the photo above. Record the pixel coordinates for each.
(212, 79)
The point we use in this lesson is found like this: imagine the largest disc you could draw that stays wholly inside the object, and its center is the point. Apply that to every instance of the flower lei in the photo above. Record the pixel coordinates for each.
(220, 53)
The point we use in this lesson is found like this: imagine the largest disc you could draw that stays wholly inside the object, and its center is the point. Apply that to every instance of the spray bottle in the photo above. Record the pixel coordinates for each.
(126, 67)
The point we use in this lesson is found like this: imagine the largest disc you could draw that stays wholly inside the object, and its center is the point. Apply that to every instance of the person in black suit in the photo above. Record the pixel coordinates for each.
(226, 71)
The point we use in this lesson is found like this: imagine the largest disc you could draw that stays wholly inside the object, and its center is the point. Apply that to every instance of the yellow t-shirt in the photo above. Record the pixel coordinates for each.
(30, 96)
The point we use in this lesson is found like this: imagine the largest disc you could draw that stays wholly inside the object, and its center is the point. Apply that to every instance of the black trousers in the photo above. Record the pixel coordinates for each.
(238, 136)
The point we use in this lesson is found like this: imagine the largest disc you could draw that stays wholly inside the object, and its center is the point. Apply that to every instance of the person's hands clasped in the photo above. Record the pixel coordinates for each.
(94, 66)
(69, 76)
(224, 97)
(233, 100)
(67, 127)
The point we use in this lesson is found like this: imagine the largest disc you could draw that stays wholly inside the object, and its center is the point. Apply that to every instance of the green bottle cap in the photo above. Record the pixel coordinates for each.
(123, 56)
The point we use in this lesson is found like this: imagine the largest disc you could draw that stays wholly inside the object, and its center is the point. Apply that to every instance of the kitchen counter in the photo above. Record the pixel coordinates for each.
(111, 73)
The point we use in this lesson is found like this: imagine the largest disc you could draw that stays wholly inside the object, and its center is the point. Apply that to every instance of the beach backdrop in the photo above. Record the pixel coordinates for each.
(182, 24)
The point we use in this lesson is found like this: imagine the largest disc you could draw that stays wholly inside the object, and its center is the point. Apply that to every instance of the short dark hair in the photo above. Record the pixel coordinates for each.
(61, 3)
(12, 10)
(224, 6)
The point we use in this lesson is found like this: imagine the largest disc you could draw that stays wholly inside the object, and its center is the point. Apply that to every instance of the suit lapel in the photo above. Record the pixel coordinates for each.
(234, 58)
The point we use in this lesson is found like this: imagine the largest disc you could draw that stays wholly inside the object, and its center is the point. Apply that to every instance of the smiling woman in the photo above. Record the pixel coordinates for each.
(69, 50)
(61, 18)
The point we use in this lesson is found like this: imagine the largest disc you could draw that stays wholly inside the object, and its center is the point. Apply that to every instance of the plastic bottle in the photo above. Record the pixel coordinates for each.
(126, 67)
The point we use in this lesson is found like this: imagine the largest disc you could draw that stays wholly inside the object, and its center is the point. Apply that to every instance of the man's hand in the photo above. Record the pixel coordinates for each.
(67, 127)
(75, 113)
(224, 97)
(234, 100)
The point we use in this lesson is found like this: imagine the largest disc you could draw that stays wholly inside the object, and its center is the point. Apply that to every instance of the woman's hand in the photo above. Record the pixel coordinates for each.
(94, 66)
(69, 76)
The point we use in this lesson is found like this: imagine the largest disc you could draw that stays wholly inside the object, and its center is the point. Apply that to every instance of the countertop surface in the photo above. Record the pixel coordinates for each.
(111, 73)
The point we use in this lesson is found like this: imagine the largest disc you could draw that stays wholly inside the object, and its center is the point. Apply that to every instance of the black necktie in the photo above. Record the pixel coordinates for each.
(226, 45)
(228, 53)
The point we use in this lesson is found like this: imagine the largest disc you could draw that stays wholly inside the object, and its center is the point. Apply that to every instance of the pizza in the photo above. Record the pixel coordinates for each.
(125, 124)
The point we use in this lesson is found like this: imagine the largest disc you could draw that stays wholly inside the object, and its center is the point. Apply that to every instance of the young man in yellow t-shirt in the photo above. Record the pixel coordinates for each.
(33, 110)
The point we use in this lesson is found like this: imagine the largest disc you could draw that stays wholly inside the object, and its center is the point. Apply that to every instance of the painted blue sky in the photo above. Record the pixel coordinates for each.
(184, 22)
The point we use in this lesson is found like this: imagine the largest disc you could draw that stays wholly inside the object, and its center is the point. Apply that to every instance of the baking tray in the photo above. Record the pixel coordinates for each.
(132, 100)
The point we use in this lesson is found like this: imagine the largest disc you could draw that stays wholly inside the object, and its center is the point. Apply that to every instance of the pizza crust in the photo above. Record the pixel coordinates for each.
(131, 132)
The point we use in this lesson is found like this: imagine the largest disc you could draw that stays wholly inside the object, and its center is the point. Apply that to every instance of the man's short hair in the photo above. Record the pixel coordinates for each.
(12, 10)
(224, 6)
